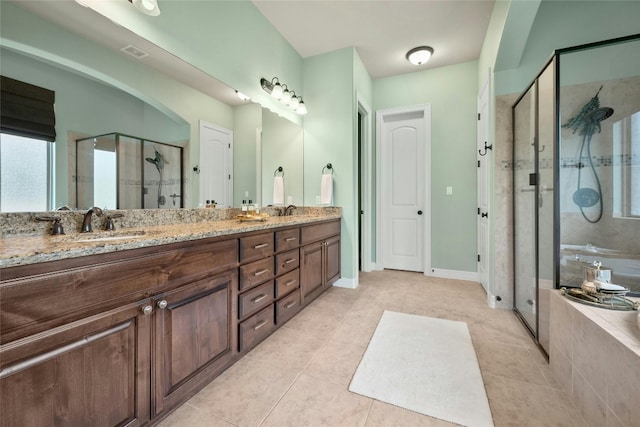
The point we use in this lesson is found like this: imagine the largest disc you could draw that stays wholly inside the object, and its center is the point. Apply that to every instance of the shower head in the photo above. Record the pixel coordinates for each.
(599, 114)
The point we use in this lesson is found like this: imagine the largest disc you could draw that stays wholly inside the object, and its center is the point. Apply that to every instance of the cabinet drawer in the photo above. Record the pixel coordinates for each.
(312, 233)
(287, 307)
(255, 273)
(287, 283)
(255, 299)
(255, 247)
(287, 261)
(256, 328)
(287, 239)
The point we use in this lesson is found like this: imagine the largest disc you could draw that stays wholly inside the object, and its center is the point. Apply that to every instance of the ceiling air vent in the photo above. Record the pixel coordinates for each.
(134, 51)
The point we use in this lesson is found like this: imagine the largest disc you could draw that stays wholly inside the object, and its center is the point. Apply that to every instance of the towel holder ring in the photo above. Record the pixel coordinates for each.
(279, 169)
(329, 166)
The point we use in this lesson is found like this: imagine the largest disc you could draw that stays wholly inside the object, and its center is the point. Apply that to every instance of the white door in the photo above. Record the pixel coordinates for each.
(216, 164)
(484, 157)
(404, 182)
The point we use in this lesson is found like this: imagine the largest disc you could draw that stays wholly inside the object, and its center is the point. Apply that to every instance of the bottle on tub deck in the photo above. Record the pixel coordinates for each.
(251, 208)
(244, 207)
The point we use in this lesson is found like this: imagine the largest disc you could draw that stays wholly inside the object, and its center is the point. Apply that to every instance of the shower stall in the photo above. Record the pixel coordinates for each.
(576, 175)
(120, 171)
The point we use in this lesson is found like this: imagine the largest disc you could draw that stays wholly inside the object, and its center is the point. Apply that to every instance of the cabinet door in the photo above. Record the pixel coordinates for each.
(92, 372)
(332, 260)
(195, 333)
(311, 271)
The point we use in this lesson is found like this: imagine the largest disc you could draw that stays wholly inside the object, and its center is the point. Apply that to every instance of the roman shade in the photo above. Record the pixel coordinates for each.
(27, 110)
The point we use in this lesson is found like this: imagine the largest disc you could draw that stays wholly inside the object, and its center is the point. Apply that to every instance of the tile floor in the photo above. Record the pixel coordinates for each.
(299, 376)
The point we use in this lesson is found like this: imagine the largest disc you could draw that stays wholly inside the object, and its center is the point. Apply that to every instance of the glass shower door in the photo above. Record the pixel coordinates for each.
(524, 207)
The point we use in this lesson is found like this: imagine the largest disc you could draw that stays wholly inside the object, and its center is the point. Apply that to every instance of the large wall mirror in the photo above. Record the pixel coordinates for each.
(159, 106)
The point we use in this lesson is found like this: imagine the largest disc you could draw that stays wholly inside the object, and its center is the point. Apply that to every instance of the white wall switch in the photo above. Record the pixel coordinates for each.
(449, 191)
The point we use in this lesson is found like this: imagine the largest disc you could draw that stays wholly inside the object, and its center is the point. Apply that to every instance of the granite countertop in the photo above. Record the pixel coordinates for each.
(30, 249)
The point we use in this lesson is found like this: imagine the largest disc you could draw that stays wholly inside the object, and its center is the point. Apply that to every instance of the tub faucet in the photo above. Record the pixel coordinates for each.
(289, 210)
(86, 223)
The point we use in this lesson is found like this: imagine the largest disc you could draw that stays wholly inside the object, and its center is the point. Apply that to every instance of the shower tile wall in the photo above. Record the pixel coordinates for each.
(503, 201)
(610, 232)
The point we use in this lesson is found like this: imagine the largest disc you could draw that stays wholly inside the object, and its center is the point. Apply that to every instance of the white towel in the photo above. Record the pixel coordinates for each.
(278, 190)
(326, 189)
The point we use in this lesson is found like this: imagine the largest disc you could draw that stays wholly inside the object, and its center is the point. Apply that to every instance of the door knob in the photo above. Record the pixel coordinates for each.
(484, 214)
(147, 309)
(419, 212)
(162, 303)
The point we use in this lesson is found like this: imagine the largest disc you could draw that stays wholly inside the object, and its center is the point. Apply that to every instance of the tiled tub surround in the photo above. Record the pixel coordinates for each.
(595, 356)
(27, 241)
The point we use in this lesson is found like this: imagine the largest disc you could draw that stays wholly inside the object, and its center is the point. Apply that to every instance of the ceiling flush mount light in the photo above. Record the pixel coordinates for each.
(282, 93)
(148, 7)
(419, 55)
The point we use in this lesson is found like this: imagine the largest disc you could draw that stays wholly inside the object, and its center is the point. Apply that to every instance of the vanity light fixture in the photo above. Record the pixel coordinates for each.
(148, 7)
(282, 93)
(419, 55)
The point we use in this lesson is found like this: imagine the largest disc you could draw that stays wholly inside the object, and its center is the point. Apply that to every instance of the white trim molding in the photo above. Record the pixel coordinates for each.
(471, 276)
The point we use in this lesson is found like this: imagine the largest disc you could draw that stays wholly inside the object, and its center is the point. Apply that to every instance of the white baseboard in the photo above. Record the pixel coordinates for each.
(344, 282)
(471, 276)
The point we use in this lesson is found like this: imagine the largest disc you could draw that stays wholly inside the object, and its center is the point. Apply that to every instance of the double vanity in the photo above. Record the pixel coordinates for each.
(119, 328)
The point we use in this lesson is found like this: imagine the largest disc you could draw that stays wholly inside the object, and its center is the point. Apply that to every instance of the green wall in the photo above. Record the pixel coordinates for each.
(247, 120)
(328, 138)
(230, 40)
(452, 93)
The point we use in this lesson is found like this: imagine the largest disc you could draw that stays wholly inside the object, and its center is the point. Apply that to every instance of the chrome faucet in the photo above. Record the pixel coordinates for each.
(86, 223)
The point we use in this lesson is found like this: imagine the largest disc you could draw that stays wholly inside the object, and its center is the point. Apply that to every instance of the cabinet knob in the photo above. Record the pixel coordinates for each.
(162, 303)
(147, 309)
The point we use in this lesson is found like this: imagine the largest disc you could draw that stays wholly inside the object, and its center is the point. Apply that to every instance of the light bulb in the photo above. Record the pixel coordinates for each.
(302, 109)
(286, 97)
(276, 92)
(295, 101)
(419, 55)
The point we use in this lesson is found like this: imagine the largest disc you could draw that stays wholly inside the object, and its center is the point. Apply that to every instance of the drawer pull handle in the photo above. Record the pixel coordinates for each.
(291, 304)
(290, 239)
(261, 272)
(261, 245)
(147, 309)
(289, 283)
(260, 325)
(259, 298)
(289, 261)
(162, 304)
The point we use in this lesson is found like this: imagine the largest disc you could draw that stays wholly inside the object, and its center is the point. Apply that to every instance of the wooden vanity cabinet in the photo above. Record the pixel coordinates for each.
(119, 338)
(122, 338)
(319, 259)
(194, 337)
(92, 372)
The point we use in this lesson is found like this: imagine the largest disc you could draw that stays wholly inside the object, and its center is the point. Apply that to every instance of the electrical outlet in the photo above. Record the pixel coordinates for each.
(449, 191)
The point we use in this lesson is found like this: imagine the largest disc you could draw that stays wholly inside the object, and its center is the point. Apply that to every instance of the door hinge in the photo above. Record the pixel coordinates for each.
(478, 163)
(229, 176)
(478, 257)
(478, 211)
(478, 116)
(229, 145)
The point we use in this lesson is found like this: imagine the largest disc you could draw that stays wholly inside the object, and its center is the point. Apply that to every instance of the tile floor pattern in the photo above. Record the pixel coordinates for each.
(299, 376)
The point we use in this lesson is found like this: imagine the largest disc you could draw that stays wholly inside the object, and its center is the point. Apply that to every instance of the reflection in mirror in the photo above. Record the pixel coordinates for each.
(118, 171)
(87, 106)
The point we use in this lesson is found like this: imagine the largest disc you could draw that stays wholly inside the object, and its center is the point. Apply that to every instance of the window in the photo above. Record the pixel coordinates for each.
(626, 175)
(25, 174)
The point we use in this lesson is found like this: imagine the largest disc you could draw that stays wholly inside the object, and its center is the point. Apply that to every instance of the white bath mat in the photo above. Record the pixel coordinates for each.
(426, 365)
